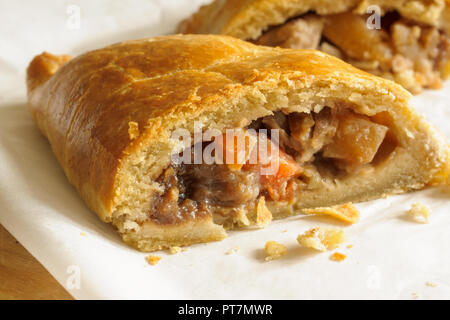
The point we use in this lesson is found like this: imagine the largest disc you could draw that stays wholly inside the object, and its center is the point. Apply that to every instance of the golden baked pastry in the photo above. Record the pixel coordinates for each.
(321, 238)
(110, 116)
(346, 212)
(409, 44)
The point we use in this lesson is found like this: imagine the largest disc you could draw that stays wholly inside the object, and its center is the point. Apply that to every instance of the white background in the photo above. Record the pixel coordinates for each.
(392, 256)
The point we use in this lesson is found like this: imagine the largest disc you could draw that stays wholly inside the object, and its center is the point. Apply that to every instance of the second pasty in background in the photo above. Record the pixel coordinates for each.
(410, 45)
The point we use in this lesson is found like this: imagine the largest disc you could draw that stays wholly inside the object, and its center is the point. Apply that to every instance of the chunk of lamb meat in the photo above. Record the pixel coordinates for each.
(301, 33)
(350, 34)
(312, 131)
(356, 141)
(279, 121)
(424, 49)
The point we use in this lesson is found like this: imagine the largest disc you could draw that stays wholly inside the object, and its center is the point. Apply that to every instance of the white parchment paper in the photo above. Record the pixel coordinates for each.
(392, 257)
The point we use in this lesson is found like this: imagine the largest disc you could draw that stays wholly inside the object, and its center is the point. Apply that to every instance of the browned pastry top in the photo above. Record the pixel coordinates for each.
(247, 19)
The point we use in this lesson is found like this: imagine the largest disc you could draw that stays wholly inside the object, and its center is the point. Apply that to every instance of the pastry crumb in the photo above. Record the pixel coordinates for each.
(83, 234)
(274, 250)
(263, 215)
(233, 250)
(321, 238)
(345, 212)
(174, 250)
(419, 212)
(133, 130)
(338, 257)
(415, 295)
(349, 246)
(284, 231)
(241, 219)
(152, 259)
(431, 284)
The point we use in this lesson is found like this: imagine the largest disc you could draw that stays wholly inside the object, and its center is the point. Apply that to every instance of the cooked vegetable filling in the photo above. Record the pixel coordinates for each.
(414, 55)
(332, 142)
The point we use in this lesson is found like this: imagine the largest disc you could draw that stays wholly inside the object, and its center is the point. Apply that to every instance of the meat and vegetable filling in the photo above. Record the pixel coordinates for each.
(332, 143)
(414, 55)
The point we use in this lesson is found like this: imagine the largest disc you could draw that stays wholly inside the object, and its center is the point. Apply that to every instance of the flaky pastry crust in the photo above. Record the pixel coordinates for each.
(247, 19)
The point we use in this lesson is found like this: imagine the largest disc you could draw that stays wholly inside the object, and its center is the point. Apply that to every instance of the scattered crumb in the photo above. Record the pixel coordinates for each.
(349, 246)
(241, 219)
(174, 250)
(419, 212)
(184, 249)
(338, 257)
(321, 238)
(284, 231)
(415, 295)
(151, 259)
(345, 212)
(231, 251)
(83, 234)
(133, 130)
(274, 250)
(431, 284)
(263, 215)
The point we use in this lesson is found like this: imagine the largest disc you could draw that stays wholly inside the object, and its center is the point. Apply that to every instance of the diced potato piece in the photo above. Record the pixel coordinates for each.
(321, 238)
(349, 32)
(357, 139)
(346, 212)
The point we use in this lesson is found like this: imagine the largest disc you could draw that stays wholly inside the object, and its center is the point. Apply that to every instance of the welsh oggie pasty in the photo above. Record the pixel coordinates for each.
(336, 134)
